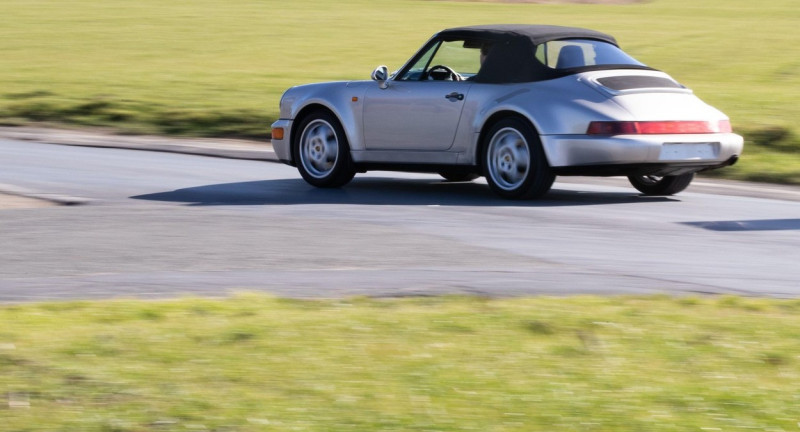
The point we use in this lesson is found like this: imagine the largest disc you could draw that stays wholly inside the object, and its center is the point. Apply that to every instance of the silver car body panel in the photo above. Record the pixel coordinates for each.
(404, 116)
(427, 122)
(577, 150)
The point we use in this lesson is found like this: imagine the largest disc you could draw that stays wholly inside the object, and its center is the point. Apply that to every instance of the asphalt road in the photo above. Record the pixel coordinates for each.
(155, 224)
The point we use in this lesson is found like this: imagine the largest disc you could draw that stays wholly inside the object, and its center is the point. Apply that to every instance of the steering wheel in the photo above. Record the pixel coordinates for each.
(438, 69)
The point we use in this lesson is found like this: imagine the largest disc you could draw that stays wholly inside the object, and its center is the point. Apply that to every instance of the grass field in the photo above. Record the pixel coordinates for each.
(218, 68)
(254, 363)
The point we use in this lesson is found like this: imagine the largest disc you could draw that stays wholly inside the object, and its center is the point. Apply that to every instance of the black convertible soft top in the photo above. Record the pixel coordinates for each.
(511, 58)
(536, 34)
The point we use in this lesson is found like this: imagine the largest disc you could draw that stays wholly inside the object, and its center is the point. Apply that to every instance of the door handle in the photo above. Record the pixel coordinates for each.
(455, 95)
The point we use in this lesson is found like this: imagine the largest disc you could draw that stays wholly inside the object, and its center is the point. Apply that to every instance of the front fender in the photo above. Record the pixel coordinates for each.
(343, 99)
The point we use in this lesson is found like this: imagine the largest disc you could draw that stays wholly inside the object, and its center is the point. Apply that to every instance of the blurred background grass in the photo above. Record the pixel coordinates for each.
(256, 363)
(214, 68)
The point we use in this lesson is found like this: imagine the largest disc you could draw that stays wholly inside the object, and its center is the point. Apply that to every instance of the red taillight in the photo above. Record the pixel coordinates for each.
(657, 127)
(612, 128)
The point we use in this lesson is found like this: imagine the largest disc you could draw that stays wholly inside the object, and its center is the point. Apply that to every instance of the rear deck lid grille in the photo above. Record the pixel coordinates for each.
(631, 82)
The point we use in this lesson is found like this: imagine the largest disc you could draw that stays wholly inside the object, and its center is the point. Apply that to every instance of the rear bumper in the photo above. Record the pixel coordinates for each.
(641, 169)
(697, 151)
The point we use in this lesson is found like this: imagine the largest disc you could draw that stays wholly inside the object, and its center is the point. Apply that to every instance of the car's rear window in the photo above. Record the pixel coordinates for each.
(575, 53)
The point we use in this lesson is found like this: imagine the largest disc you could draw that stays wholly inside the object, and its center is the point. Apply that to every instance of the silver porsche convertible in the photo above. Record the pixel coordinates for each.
(517, 104)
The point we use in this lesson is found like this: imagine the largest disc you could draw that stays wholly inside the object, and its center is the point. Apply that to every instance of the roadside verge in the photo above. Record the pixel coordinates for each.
(215, 147)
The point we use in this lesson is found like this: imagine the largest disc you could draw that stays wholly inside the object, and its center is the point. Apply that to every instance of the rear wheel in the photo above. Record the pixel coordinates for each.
(514, 162)
(322, 152)
(655, 185)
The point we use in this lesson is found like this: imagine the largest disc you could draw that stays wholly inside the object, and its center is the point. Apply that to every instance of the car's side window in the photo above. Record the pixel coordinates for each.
(443, 59)
(459, 56)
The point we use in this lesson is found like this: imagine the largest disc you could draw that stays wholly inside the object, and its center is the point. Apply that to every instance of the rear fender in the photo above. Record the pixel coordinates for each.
(556, 107)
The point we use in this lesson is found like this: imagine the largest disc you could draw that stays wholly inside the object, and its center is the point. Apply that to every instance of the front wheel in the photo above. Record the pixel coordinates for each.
(322, 152)
(655, 185)
(514, 162)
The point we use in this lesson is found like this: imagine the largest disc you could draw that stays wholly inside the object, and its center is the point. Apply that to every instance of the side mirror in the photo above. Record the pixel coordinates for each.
(381, 74)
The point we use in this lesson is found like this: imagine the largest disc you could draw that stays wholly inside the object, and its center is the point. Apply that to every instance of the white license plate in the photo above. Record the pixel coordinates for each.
(689, 151)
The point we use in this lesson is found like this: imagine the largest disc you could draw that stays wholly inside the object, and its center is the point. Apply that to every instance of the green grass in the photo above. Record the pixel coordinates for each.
(218, 68)
(255, 363)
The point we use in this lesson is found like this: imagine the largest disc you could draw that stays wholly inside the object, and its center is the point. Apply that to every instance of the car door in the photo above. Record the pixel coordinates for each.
(413, 115)
(420, 108)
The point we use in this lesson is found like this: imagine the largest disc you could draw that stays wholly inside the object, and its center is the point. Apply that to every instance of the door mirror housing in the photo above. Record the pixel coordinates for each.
(381, 75)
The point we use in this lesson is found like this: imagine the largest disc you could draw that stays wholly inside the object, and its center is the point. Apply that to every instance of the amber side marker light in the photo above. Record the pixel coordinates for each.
(657, 127)
(277, 133)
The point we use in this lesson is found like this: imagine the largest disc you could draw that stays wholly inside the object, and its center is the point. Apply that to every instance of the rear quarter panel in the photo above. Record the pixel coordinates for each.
(559, 106)
(565, 106)
(554, 107)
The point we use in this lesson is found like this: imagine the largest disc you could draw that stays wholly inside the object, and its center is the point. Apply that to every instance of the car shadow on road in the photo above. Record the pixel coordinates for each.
(380, 191)
(748, 225)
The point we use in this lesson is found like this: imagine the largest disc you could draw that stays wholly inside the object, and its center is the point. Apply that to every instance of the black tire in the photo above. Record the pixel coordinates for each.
(514, 162)
(458, 176)
(656, 186)
(321, 151)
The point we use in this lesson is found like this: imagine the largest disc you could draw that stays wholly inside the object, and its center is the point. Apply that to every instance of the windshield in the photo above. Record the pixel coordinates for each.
(572, 53)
